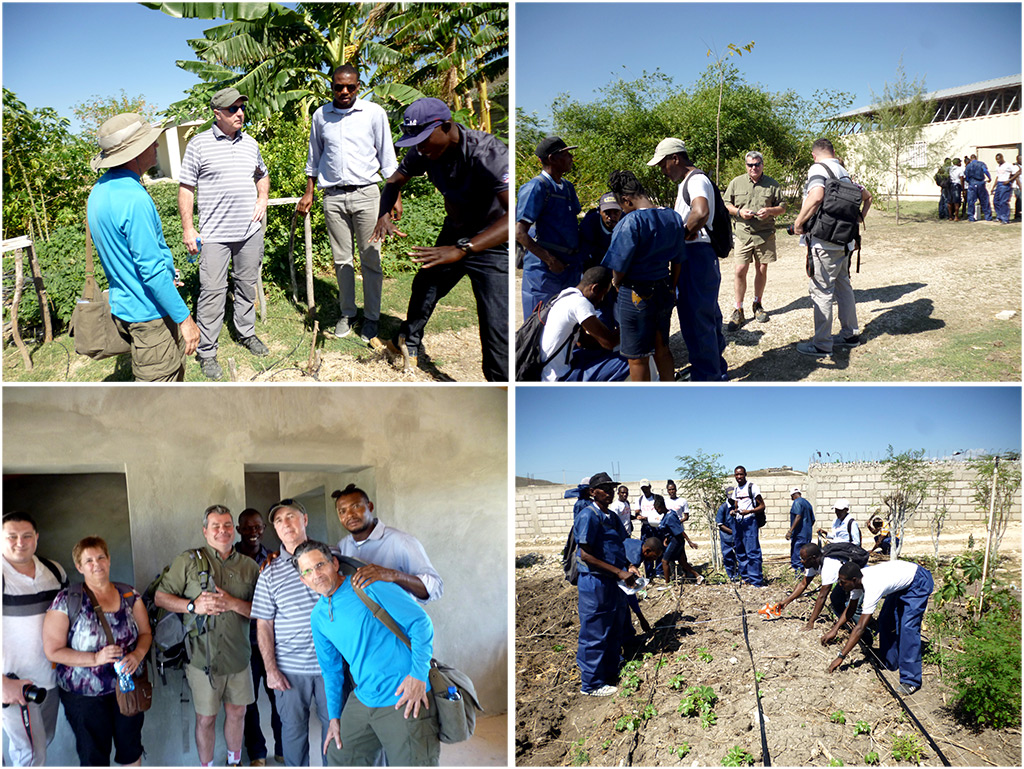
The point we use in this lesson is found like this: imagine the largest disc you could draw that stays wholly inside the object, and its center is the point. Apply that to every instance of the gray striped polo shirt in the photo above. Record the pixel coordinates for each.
(281, 597)
(225, 172)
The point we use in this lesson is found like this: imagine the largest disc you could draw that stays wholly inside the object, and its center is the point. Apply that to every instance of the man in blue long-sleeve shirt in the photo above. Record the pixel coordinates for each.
(129, 238)
(392, 704)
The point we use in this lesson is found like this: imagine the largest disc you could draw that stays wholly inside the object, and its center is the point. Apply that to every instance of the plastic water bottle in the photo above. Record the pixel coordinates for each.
(125, 682)
(453, 694)
(199, 249)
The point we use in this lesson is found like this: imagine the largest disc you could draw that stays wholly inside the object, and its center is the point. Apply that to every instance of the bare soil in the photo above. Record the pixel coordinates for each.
(785, 667)
(927, 295)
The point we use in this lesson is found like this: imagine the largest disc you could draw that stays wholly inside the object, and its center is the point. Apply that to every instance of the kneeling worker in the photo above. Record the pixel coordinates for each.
(906, 588)
(816, 563)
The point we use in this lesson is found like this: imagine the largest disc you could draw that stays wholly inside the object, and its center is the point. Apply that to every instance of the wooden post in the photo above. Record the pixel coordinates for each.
(291, 256)
(988, 537)
(310, 300)
(259, 276)
(37, 281)
(19, 285)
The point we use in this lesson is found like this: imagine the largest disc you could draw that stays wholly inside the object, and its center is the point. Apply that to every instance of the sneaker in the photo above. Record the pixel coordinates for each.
(700, 580)
(759, 313)
(211, 369)
(907, 690)
(254, 345)
(344, 327)
(399, 355)
(258, 762)
(605, 691)
(850, 341)
(808, 348)
(736, 321)
(368, 332)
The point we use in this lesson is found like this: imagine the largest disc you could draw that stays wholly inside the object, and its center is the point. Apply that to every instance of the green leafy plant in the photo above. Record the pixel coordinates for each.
(558, 647)
(737, 756)
(907, 747)
(704, 654)
(871, 759)
(862, 727)
(578, 755)
(835, 762)
(676, 682)
(630, 723)
(699, 701)
(838, 717)
(660, 663)
(681, 751)
(759, 676)
(987, 675)
(606, 744)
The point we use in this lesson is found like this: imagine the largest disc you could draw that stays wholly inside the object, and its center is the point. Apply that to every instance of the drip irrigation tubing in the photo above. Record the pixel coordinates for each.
(765, 757)
(876, 664)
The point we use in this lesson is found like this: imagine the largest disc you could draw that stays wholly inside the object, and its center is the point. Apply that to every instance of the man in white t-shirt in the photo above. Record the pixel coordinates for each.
(29, 587)
(621, 508)
(1006, 175)
(700, 316)
(747, 496)
(830, 279)
(844, 527)
(572, 320)
(906, 587)
(816, 563)
(956, 188)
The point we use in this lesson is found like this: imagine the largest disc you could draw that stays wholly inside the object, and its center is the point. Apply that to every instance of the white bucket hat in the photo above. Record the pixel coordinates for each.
(122, 138)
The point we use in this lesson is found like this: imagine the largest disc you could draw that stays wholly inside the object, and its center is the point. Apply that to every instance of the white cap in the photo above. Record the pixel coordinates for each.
(644, 483)
(842, 504)
(665, 148)
(794, 490)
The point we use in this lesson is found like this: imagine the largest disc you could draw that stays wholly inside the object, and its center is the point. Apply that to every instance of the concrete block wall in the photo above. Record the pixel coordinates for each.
(543, 512)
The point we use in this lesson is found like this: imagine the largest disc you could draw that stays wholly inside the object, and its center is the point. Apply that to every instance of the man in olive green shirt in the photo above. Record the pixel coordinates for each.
(213, 588)
(754, 200)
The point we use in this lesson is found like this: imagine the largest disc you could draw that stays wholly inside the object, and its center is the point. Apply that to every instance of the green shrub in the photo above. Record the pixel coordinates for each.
(987, 675)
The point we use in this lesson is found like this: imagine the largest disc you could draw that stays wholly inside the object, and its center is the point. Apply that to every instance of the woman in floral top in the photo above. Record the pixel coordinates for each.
(85, 659)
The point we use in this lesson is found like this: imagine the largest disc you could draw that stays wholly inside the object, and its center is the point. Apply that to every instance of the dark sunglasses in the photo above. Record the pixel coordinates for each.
(345, 86)
(753, 165)
(233, 109)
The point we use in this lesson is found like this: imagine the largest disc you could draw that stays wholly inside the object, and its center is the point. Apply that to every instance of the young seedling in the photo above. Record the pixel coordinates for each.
(835, 762)
(704, 654)
(632, 722)
(699, 701)
(871, 759)
(677, 682)
(606, 744)
(737, 756)
(681, 751)
(907, 748)
(559, 647)
(759, 676)
(578, 755)
(839, 717)
(862, 727)
(660, 663)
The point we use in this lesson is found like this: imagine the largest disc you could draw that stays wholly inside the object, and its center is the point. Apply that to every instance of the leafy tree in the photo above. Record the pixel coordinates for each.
(909, 478)
(942, 480)
(95, 110)
(46, 174)
(701, 478)
(893, 151)
(719, 66)
(1007, 478)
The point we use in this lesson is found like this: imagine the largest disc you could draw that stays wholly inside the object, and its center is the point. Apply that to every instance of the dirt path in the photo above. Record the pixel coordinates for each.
(699, 641)
(927, 295)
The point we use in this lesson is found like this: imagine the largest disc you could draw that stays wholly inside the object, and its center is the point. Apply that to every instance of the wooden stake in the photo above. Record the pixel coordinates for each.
(19, 286)
(988, 538)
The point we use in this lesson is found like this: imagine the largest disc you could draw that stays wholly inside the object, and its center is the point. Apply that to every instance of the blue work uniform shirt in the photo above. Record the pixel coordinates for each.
(671, 525)
(976, 171)
(552, 213)
(723, 518)
(634, 548)
(645, 242)
(802, 507)
(605, 534)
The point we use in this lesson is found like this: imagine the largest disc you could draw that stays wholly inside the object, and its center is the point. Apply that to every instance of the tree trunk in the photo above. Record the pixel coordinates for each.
(485, 106)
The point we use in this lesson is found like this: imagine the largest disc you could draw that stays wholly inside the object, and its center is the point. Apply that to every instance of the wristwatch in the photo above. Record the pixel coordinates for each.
(465, 245)
(191, 607)
(841, 656)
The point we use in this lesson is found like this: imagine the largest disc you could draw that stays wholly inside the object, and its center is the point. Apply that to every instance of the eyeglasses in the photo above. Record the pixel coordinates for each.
(306, 573)
(753, 165)
(345, 86)
(233, 109)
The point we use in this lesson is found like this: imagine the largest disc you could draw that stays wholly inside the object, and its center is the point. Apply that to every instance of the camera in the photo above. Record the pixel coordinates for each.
(31, 692)
(789, 229)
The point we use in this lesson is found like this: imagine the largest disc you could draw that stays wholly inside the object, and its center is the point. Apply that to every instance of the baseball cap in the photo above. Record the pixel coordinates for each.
(842, 504)
(552, 144)
(608, 201)
(225, 97)
(794, 490)
(421, 118)
(665, 148)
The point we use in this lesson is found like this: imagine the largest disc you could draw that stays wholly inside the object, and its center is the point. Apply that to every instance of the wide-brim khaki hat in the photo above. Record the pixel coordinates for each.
(124, 137)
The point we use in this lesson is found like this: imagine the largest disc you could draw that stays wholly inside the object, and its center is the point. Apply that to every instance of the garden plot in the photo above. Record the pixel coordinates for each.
(698, 653)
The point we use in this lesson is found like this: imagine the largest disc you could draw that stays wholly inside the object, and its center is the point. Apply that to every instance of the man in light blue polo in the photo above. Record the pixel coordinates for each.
(129, 238)
(226, 165)
(281, 607)
(391, 706)
(350, 151)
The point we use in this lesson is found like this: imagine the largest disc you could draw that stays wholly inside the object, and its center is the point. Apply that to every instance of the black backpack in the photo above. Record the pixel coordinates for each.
(846, 552)
(761, 516)
(720, 231)
(570, 564)
(838, 218)
(529, 360)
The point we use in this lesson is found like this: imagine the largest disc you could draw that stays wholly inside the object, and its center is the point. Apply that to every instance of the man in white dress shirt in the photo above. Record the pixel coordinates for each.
(350, 150)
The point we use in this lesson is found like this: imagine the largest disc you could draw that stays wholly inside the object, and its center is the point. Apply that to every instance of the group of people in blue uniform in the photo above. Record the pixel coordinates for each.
(661, 259)
(610, 562)
(969, 184)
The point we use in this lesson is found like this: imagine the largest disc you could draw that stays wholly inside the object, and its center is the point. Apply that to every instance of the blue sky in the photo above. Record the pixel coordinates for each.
(60, 54)
(577, 48)
(637, 432)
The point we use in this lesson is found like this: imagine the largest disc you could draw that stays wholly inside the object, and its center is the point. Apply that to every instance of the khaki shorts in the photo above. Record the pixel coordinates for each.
(234, 689)
(764, 253)
(158, 350)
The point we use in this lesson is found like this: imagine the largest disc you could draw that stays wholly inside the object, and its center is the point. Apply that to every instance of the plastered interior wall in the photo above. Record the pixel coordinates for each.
(542, 511)
(434, 461)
